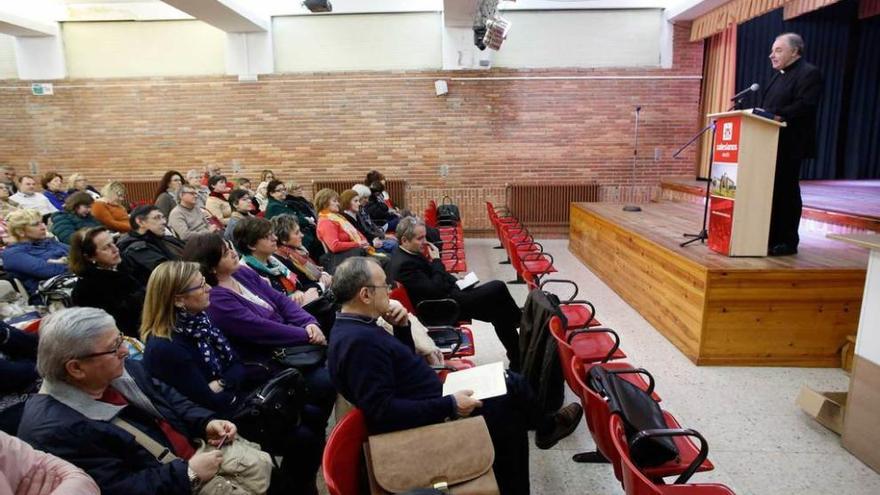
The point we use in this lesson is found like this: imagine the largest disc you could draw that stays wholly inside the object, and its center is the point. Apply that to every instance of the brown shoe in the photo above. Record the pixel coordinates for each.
(566, 421)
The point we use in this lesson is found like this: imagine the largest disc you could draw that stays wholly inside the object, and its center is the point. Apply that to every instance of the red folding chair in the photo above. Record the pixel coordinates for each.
(590, 345)
(343, 461)
(635, 482)
(578, 313)
(463, 345)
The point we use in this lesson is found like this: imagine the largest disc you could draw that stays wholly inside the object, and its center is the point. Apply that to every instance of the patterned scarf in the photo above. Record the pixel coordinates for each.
(353, 233)
(213, 345)
(302, 262)
(274, 270)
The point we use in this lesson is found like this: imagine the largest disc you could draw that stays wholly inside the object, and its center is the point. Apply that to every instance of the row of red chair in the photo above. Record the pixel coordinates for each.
(582, 343)
(452, 234)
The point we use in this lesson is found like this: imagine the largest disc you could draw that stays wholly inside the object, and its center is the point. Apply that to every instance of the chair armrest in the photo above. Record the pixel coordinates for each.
(640, 371)
(679, 432)
(562, 281)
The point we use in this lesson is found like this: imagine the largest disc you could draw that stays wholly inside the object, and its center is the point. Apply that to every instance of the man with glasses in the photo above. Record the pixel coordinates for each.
(187, 218)
(395, 388)
(104, 414)
(147, 245)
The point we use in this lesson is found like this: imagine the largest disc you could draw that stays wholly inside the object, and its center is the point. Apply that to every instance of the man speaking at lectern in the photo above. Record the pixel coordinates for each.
(793, 95)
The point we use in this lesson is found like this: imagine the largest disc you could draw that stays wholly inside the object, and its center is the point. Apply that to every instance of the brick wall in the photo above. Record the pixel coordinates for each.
(488, 130)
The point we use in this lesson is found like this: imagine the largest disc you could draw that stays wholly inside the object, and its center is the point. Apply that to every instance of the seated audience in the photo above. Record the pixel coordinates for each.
(334, 231)
(295, 257)
(28, 197)
(53, 189)
(378, 210)
(194, 180)
(307, 216)
(25, 471)
(276, 193)
(267, 176)
(18, 375)
(89, 386)
(352, 206)
(146, 245)
(104, 282)
(187, 218)
(416, 264)
(7, 205)
(396, 389)
(77, 215)
(217, 203)
(166, 195)
(185, 350)
(110, 209)
(241, 204)
(78, 182)
(33, 257)
(258, 319)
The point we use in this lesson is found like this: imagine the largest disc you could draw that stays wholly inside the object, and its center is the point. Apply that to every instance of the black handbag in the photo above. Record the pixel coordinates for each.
(448, 213)
(639, 412)
(274, 406)
(301, 357)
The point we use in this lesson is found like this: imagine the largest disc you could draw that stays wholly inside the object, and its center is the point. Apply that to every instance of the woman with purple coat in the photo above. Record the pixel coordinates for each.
(258, 320)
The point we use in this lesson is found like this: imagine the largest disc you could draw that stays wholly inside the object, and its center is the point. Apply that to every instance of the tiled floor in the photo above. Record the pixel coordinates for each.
(759, 440)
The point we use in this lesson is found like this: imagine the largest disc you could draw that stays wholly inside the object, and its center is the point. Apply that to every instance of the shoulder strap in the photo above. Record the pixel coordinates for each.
(162, 454)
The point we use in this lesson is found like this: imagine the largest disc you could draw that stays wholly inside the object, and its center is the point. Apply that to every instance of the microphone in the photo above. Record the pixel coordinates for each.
(752, 88)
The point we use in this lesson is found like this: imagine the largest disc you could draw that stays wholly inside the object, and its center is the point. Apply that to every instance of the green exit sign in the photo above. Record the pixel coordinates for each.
(42, 89)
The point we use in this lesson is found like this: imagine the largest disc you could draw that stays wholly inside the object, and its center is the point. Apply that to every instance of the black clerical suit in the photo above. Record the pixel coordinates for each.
(490, 301)
(793, 93)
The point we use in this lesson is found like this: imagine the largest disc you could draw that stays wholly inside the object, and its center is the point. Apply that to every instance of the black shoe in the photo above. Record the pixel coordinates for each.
(782, 249)
(565, 421)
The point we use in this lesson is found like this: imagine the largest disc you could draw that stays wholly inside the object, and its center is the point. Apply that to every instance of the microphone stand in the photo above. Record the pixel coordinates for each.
(635, 158)
(704, 233)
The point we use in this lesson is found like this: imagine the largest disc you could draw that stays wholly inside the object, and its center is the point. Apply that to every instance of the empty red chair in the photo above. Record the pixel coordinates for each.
(637, 483)
(343, 461)
(578, 313)
(590, 345)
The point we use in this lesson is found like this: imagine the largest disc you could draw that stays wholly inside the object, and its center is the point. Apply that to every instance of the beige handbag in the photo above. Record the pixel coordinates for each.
(453, 457)
(245, 468)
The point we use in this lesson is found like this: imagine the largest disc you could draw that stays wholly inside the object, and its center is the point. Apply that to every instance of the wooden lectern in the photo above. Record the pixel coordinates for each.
(741, 195)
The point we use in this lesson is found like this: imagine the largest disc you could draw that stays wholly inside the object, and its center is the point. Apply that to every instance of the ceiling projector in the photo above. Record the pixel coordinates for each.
(318, 5)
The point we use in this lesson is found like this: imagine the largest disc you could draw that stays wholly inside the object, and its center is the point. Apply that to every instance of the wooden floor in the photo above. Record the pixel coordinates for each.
(793, 310)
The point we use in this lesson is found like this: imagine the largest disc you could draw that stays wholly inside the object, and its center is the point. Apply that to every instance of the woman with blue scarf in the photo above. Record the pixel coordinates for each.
(185, 350)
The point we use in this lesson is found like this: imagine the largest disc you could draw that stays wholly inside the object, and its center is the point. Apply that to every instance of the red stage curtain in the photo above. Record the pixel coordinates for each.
(794, 8)
(719, 78)
(734, 11)
(868, 8)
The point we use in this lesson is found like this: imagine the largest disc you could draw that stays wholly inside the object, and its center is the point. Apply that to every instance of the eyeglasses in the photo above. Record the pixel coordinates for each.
(389, 287)
(281, 189)
(117, 344)
(202, 286)
(156, 217)
(188, 191)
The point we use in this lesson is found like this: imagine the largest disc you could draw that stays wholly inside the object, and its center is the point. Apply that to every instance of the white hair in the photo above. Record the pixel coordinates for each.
(69, 334)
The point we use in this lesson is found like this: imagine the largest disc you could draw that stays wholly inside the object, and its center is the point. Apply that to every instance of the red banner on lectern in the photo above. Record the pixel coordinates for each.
(725, 158)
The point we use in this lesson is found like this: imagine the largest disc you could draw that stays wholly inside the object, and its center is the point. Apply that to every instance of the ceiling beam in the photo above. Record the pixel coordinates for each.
(14, 25)
(226, 15)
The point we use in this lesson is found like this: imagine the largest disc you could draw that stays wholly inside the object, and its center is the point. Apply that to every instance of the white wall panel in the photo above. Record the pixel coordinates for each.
(136, 49)
(358, 42)
(586, 38)
(7, 57)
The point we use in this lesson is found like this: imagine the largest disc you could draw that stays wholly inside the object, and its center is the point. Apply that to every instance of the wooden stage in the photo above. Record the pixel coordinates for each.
(774, 311)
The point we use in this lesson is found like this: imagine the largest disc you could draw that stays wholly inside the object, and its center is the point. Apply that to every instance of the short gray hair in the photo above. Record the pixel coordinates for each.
(283, 225)
(406, 228)
(795, 41)
(350, 276)
(68, 334)
(362, 190)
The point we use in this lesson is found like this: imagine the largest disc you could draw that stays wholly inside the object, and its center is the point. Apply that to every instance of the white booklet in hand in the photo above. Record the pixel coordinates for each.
(469, 280)
(486, 381)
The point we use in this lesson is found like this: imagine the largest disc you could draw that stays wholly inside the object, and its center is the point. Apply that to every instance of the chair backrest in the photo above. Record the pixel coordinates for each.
(634, 482)
(400, 295)
(529, 279)
(598, 415)
(344, 454)
(557, 330)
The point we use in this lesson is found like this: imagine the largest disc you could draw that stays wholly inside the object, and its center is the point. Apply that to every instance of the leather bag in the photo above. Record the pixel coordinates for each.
(302, 357)
(274, 406)
(453, 457)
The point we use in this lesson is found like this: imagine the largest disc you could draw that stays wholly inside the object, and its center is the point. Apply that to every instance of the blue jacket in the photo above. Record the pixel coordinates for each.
(109, 454)
(56, 198)
(65, 224)
(178, 362)
(26, 261)
(380, 374)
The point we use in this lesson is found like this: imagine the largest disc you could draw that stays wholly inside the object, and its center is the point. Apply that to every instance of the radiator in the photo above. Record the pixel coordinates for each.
(547, 205)
(140, 191)
(396, 188)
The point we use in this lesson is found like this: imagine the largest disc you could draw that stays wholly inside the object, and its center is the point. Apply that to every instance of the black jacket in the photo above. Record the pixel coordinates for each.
(116, 292)
(423, 279)
(540, 358)
(109, 454)
(793, 93)
(378, 210)
(144, 252)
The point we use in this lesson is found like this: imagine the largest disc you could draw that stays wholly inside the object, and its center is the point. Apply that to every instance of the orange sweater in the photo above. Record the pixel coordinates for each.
(114, 217)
